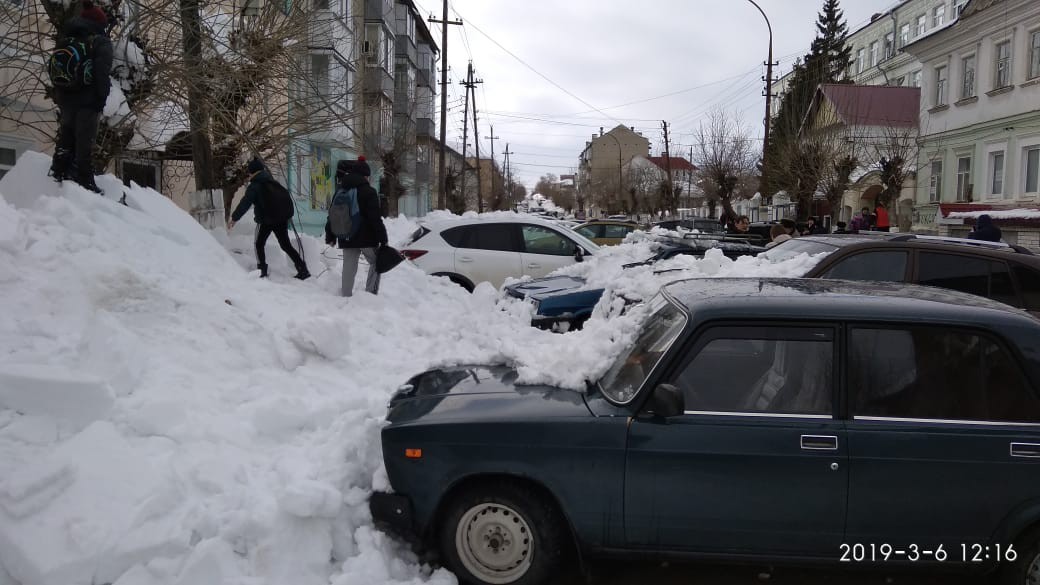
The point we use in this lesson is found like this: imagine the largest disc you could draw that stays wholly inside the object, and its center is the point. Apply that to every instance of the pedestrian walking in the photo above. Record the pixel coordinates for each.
(79, 70)
(367, 233)
(273, 208)
(985, 230)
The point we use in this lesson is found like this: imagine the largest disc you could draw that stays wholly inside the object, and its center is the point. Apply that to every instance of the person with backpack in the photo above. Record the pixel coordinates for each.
(272, 209)
(355, 223)
(79, 70)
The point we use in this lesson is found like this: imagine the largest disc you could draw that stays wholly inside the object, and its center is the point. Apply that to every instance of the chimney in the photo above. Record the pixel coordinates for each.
(601, 130)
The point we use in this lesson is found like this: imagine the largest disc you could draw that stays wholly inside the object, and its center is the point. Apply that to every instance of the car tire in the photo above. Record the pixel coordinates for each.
(1025, 569)
(502, 534)
(459, 280)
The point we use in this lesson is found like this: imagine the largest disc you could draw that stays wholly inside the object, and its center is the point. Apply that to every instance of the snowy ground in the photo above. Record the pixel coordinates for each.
(168, 418)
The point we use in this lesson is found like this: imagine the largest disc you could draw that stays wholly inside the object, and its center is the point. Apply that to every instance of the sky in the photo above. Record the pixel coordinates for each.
(168, 418)
(555, 71)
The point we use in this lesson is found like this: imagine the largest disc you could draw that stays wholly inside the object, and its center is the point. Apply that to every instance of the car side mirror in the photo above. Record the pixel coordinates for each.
(667, 401)
(579, 254)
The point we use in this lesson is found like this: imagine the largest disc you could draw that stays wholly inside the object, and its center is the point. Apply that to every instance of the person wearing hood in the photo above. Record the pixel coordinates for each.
(80, 107)
(370, 234)
(985, 230)
(261, 192)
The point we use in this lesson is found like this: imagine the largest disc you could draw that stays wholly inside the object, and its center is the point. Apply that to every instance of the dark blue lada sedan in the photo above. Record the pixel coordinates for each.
(766, 420)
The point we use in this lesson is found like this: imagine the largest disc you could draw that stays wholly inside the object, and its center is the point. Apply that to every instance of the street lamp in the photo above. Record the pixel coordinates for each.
(769, 99)
(618, 164)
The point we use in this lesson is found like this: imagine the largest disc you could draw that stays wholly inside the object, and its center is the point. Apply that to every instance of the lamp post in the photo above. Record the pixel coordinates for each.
(769, 99)
(618, 164)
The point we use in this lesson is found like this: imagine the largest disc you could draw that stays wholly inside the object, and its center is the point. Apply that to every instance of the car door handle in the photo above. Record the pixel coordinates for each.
(819, 443)
(1030, 450)
(534, 266)
(465, 259)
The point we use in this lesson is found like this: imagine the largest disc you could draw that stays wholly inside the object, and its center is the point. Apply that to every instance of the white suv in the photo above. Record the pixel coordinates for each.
(474, 250)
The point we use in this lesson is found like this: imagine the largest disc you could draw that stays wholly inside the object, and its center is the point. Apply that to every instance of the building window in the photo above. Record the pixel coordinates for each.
(958, 7)
(1003, 65)
(968, 77)
(1032, 164)
(996, 170)
(915, 79)
(940, 86)
(861, 60)
(922, 25)
(935, 183)
(874, 54)
(320, 75)
(890, 45)
(904, 35)
(900, 81)
(964, 178)
(1034, 55)
(938, 15)
(7, 158)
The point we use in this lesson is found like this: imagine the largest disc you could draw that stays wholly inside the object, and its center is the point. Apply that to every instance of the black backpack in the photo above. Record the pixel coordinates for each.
(276, 203)
(71, 64)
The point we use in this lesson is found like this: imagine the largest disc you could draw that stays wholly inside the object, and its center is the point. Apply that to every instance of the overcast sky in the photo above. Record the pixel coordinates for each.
(638, 62)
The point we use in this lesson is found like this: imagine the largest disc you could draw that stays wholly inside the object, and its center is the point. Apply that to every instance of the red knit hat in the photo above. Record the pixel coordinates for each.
(91, 12)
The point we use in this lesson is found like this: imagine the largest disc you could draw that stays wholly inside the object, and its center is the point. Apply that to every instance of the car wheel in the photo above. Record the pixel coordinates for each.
(501, 534)
(1025, 568)
(457, 280)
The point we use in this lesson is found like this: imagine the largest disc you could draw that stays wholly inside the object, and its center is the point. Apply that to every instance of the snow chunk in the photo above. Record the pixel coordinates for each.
(54, 391)
(998, 214)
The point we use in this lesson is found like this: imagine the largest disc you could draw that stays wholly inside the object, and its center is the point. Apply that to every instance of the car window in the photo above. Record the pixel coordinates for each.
(765, 369)
(591, 231)
(616, 231)
(886, 266)
(1029, 283)
(492, 236)
(977, 276)
(540, 240)
(936, 373)
(455, 236)
(632, 367)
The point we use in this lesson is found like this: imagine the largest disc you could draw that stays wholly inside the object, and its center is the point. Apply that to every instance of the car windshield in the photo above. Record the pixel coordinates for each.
(633, 366)
(796, 246)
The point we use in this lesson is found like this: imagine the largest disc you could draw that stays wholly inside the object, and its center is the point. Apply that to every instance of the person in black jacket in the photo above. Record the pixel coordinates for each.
(985, 230)
(258, 175)
(80, 110)
(353, 174)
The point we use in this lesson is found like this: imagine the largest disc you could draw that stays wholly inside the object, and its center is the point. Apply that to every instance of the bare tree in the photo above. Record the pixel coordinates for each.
(723, 155)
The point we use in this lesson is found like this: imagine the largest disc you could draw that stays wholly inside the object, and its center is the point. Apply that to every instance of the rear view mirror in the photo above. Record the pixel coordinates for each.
(579, 254)
(667, 401)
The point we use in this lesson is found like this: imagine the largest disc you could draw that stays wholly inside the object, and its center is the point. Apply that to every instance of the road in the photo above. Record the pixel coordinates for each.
(617, 573)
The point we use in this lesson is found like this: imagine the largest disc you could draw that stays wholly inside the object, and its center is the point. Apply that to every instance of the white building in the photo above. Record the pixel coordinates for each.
(981, 121)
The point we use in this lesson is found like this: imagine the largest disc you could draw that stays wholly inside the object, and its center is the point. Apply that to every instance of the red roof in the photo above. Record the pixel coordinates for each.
(678, 163)
(873, 105)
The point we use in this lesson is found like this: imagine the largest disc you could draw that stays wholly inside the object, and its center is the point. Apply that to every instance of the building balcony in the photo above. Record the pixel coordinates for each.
(404, 47)
(377, 80)
(425, 127)
(423, 77)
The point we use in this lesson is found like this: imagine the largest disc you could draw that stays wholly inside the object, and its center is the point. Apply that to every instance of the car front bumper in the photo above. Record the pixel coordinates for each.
(393, 513)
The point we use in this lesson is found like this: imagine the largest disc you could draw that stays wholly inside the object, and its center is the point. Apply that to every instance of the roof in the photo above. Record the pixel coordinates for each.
(678, 163)
(945, 243)
(710, 298)
(872, 105)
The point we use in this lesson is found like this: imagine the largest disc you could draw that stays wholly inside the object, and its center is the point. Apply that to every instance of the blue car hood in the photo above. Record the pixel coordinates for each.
(480, 393)
(543, 287)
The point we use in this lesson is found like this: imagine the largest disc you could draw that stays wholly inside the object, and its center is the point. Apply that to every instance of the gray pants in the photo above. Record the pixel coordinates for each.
(350, 264)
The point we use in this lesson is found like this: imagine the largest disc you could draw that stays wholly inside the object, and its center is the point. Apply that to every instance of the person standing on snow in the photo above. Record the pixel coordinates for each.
(370, 234)
(80, 103)
(266, 196)
(985, 230)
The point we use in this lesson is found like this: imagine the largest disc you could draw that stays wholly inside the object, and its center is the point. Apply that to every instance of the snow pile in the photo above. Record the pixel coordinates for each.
(166, 417)
(998, 214)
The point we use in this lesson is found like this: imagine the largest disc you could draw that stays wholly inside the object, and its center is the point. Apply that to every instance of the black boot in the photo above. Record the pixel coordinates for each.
(302, 273)
(86, 180)
(61, 165)
(263, 270)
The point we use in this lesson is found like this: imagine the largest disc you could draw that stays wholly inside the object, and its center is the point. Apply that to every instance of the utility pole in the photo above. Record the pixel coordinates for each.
(668, 167)
(492, 138)
(509, 176)
(689, 182)
(465, 133)
(764, 183)
(471, 85)
(444, 22)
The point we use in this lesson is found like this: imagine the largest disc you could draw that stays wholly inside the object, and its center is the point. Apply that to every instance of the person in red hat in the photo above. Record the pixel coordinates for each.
(80, 105)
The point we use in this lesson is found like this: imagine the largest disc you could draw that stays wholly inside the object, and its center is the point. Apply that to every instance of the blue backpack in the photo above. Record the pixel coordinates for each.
(344, 214)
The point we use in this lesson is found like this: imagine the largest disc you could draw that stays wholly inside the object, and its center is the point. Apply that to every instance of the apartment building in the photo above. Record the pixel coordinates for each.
(414, 105)
(601, 167)
(981, 120)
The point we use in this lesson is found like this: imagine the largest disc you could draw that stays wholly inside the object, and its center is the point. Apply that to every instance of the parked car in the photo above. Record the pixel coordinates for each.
(702, 224)
(753, 420)
(470, 251)
(561, 303)
(1009, 274)
(607, 232)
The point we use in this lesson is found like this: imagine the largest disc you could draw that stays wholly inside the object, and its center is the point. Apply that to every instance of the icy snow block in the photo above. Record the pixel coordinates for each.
(77, 532)
(46, 390)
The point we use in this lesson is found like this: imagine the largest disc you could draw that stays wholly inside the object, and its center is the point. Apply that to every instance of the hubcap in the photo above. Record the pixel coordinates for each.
(494, 543)
(1033, 572)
